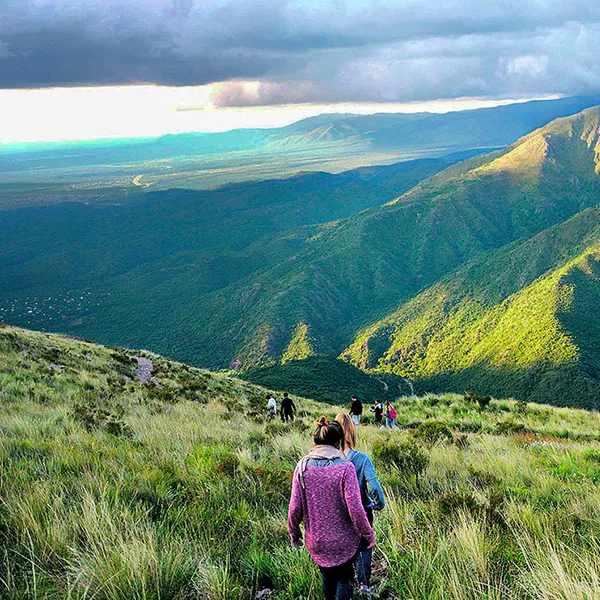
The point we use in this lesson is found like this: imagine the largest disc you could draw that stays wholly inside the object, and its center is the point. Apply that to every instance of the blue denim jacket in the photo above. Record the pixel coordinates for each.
(367, 479)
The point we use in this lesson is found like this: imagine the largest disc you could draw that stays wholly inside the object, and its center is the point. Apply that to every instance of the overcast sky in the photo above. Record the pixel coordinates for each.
(278, 52)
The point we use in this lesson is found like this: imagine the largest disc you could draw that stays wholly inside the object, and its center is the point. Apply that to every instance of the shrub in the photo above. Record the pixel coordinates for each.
(451, 503)
(161, 394)
(482, 401)
(431, 400)
(228, 464)
(510, 426)
(256, 439)
(273, 478)
(480, 480)
(470, 427)
(461, 441)
(116, 426)
(194, 390)
(300, 425)
(495, 506)
(521, 407)
(433, 432)
(51, 354)
(93, 417)
(275, 427)
(592, 455)
(408, 457)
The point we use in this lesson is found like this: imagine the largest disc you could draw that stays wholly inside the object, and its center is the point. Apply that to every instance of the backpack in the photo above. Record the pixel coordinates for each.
(392, 413)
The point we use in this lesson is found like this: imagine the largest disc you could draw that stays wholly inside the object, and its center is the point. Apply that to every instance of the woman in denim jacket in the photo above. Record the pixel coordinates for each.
(370, 491)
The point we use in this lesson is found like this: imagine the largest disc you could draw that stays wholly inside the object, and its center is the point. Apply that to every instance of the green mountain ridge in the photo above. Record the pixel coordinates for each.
(513, 321)
(360, 268)
(135, 253)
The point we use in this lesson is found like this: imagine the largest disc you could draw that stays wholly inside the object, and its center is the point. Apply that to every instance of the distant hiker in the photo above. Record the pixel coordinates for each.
(271, 406)
(356, 409)
(377, 408)
(326, 496)
(288, 408)
(390, 416)
(370, 492)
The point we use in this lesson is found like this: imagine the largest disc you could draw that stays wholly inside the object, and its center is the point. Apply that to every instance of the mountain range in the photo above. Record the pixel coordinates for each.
(519, 319)
(360, 267)
(480, 275)
(99, 268)
(52, 172)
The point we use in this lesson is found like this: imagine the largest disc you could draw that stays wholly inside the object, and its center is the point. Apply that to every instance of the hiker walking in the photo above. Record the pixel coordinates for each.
(377, 408)
(390, 416)
(288, 408)
(371, 495)
(326, 497)
(356, 409)
(271, 407)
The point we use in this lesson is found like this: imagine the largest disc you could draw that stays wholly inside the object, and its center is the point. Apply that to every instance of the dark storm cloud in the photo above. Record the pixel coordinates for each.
(306, 51)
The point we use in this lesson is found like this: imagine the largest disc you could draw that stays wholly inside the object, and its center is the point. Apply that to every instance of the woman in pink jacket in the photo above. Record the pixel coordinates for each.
(326, 496)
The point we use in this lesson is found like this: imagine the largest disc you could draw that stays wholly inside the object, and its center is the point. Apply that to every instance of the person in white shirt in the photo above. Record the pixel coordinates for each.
(271, 406)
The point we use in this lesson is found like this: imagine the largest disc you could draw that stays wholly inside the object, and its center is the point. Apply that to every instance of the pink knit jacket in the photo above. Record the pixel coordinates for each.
(329, 503)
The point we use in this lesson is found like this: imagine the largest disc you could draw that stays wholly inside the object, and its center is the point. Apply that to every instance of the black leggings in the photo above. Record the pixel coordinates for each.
(338, 582)
(285, 415)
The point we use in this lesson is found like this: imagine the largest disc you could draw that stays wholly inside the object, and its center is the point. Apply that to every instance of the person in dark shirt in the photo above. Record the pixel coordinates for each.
(288, 408)
(356, 410)
(377, 408)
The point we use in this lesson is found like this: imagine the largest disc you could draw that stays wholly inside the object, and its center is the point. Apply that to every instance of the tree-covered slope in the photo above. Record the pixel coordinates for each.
(519, 320)
(358, 269)
(327, 379)
(242, 279)
(165, 249)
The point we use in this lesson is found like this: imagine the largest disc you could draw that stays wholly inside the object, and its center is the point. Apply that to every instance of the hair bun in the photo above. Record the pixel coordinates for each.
(322, 422)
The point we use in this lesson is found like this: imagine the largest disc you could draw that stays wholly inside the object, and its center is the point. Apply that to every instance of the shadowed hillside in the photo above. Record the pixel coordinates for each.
(328, 379)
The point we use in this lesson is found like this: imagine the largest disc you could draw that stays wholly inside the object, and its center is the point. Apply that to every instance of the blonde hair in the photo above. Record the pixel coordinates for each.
(349, 430)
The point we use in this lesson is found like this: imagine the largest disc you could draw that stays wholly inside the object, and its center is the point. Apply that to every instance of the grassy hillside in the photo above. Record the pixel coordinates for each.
(119, 490)
(519, 321)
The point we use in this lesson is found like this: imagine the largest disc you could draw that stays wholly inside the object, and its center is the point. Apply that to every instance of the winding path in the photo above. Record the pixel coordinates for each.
(143, 372)
(410, 385)
(386, 387)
